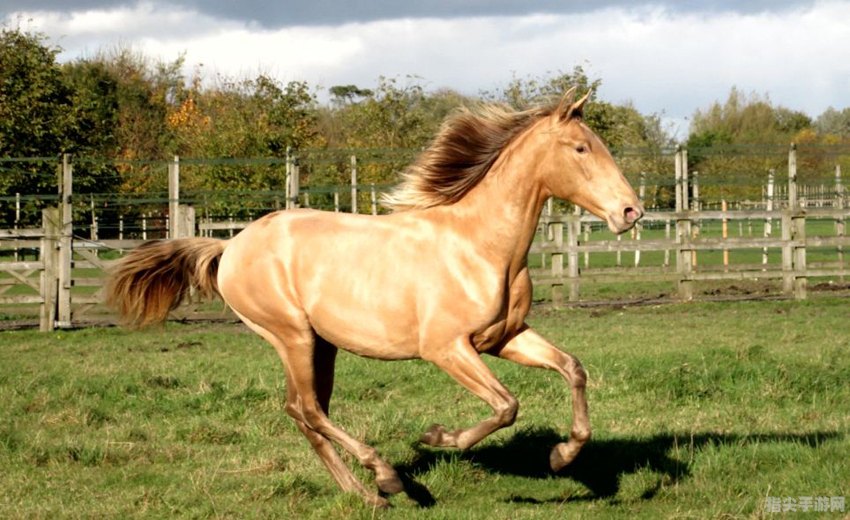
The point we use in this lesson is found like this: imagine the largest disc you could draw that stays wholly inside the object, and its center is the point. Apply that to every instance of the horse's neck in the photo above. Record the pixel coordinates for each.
(502, 211)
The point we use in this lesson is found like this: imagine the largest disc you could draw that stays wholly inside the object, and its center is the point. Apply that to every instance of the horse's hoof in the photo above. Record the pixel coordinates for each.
(434, 436)
(390, 484)
(562, 454)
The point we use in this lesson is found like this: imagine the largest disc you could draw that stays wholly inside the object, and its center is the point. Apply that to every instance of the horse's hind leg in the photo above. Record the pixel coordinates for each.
(322, 372)
(530, 349)
(325, 359)
(302, 357)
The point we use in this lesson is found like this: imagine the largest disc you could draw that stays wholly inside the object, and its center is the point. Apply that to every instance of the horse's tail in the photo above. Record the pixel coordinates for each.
(156, 277)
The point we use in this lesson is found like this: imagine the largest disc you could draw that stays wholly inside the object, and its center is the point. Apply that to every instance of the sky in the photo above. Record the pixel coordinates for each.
(664, 57)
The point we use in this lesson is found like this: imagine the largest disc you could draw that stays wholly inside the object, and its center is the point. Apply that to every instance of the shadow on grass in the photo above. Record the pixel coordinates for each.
(601, 463)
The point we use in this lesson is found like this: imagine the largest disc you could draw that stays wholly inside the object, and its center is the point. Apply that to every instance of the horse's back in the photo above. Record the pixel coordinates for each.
(342, 274)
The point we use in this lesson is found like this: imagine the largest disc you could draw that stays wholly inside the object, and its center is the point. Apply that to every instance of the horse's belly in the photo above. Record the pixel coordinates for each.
(384, 335)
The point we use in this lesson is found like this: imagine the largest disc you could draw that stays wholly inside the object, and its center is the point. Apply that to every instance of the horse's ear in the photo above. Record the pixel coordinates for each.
(568, 109)
(566, 103)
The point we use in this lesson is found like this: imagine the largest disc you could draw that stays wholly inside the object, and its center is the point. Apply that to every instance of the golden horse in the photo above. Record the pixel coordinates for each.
(444, 277)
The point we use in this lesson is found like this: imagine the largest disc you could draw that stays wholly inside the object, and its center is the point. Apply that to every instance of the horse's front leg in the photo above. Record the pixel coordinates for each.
(530, 349)
(461, 361)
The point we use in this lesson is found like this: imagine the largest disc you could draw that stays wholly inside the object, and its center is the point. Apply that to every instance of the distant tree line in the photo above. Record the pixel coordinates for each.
(122, 110)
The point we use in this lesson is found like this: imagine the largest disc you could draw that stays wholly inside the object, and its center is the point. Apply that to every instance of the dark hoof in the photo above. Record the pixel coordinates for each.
(390, 486)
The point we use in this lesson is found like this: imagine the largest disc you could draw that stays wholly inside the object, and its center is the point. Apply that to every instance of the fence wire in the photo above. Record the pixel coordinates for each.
(115, 197)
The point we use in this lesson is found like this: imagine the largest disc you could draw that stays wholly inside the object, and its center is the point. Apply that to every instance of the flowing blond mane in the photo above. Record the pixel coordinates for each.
(461, 154)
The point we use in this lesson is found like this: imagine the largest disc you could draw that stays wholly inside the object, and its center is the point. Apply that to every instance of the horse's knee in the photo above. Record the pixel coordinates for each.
(293, 410)
(508, 412)
(311, 416)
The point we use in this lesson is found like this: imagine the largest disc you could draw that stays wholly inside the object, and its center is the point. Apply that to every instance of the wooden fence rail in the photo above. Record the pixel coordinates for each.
(65, 302)
(793, 244)
(66, 280)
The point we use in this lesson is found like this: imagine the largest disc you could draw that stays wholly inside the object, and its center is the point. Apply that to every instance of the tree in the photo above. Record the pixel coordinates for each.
(35, 105)
(346, 94)
(744, 119)
(291, 114)
(256, 118)
(524, 93)
(743, 123)
(395, 116)
(833, 122)
(92, 123)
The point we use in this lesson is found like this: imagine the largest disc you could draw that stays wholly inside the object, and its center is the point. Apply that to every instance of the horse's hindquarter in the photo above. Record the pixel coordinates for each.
(380, 287)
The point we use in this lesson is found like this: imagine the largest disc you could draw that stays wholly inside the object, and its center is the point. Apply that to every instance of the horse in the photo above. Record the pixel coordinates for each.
(442, 277)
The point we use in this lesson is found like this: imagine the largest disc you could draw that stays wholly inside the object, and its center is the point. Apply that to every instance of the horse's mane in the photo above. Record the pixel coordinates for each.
(461, 154)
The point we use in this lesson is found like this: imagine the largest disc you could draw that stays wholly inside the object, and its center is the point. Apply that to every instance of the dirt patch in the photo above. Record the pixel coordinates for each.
(830, 286)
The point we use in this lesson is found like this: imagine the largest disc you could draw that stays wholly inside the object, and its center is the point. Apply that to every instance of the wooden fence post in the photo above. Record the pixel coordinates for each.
(185, 221)
(174, 198)
(547, 232)
(684, 258)
(695, 207)
(295, 190)
(373, 199)
(724, 233)
(586, 238)
(677, 160)
(839, 221)
(17, 219)
(768, 222)
(354, 184)
(573, 231)
(685, 183)
(787, 255)
(66, 244)
(792, 177)
(798, 235)
(696, 203)
(293, 180)
(49, 257)
(287, 183)
(557, 262)
(93, 230)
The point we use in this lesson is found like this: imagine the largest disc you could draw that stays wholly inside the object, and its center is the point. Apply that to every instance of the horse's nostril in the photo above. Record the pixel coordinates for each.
(631, 214)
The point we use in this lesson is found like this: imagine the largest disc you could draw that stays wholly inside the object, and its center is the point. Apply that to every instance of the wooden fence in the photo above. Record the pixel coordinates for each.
(684, 242)
(64, 279)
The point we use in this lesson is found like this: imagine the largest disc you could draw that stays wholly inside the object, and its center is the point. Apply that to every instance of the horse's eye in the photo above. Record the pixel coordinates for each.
(581, 148)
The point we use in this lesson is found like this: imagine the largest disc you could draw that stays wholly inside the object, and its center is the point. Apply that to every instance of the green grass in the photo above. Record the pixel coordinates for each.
(699, 411)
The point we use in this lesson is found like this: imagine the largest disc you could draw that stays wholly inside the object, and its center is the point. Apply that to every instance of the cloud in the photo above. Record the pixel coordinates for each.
(664, 59)
(339, 12)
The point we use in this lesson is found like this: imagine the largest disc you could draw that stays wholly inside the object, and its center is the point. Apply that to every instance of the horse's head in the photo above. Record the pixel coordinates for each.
(579, 168)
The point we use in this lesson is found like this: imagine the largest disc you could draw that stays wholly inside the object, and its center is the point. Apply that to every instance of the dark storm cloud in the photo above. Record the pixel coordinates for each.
(335, 12)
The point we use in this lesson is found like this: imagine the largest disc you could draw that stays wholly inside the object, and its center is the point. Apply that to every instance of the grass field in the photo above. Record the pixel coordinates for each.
(699, 411)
